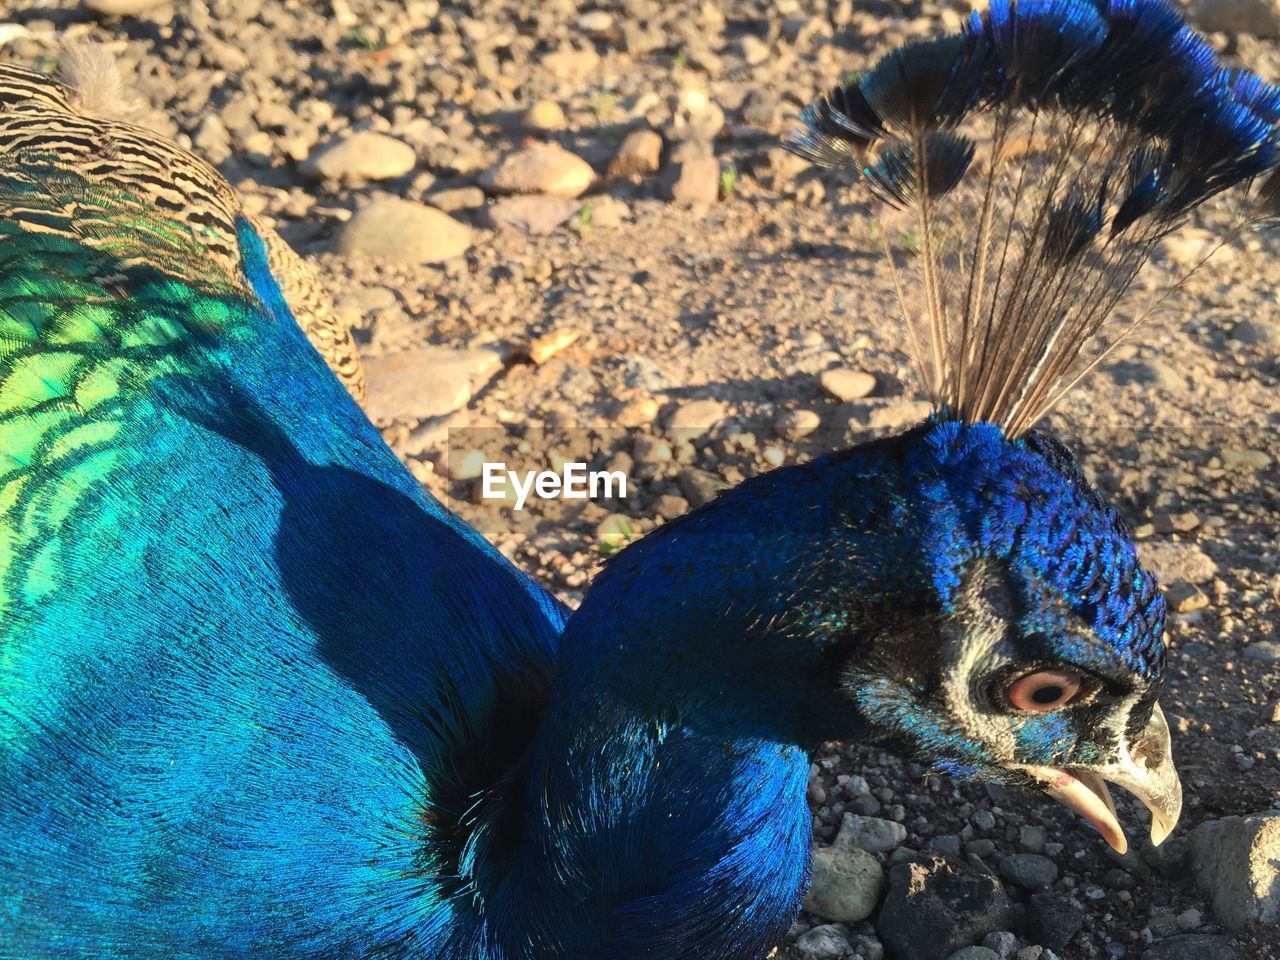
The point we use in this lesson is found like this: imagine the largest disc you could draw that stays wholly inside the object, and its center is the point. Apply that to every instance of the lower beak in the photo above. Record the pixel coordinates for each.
(1145, 768)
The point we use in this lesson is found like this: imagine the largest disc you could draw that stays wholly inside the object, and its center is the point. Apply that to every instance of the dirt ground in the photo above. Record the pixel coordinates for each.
(657, 304)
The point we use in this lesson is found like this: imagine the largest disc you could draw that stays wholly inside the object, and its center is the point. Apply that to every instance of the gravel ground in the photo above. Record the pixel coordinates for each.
(680, 299)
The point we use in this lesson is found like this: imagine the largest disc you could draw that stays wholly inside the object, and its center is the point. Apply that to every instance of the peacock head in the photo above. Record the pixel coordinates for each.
(965, 599)
(1038, 157)
(1014, 636)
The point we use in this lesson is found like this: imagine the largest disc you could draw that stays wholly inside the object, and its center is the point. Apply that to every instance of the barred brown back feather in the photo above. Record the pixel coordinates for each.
(105, 169)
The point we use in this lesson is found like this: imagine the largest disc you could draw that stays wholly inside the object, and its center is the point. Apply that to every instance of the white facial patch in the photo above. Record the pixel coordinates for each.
(976, 640)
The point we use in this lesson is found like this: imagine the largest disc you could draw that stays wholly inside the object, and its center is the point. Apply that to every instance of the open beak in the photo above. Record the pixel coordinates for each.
(1145, 769)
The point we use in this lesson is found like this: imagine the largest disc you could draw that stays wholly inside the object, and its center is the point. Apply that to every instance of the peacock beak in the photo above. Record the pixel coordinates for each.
(1145, 768)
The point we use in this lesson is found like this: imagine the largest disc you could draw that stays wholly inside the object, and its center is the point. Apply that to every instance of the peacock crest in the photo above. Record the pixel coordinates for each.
(1036, 159)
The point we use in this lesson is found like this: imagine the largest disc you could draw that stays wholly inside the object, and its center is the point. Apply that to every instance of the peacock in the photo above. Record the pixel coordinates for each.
(262, 696)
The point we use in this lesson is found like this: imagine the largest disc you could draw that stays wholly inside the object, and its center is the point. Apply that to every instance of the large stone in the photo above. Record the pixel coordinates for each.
(1236, 861)
(540, 168)
(401, 231)
(361, 156)
(1183, 597)
(1190, 248)
(1245, 460)
(845, 886)
(428, 382)
(935, 906)
(1259, 17)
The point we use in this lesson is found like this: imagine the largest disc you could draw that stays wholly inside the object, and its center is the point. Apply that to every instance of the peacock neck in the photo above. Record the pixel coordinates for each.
(666, 788)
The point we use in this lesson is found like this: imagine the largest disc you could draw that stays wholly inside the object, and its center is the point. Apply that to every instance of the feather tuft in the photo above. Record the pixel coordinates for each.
(1102, 124)
(1073, 222)
(97, 83)
(944, 158)
(925, 84)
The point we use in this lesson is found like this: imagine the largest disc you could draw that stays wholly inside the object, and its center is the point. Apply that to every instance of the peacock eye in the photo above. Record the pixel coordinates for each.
(1045, 690)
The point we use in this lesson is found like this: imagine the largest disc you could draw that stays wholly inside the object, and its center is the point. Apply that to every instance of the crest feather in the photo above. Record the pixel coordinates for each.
(1034, 161)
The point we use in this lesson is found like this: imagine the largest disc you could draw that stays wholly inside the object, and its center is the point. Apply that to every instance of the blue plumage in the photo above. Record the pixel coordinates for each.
(262, 696)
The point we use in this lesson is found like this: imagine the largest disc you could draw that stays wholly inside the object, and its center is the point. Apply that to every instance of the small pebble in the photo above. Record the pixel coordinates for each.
(361, 156)
(401, 231)
(870, 833)
(847, 385)
(947, 844)
(794, 424)
(1003, 943)
(1029, 870)
(540, 168)
(1031, 838)
(694, 182)
(975, 953)
(827, 942)
(639, 155)
(982, 848)
(1118, 879)
(596, 21)
(694, 419)
(983, 819)
(1192, 946)
(544, 115)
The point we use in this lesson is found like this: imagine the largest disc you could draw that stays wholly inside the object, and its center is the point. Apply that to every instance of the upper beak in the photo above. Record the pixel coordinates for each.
(1144, 768)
